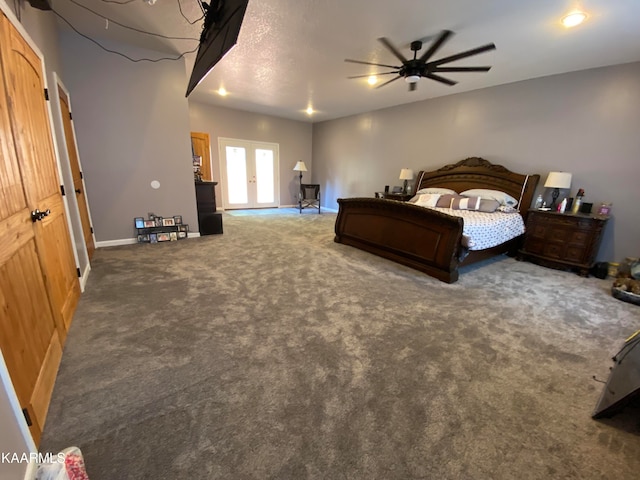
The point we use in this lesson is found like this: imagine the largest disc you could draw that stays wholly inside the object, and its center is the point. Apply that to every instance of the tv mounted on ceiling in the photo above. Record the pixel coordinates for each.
(222, 23)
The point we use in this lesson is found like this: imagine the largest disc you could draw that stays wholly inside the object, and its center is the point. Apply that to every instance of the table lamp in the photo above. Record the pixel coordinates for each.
(406, 174)
(557, 180)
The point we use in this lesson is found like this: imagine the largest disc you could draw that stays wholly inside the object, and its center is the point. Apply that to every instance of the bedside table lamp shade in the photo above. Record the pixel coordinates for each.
(557, 180)
(406, 174)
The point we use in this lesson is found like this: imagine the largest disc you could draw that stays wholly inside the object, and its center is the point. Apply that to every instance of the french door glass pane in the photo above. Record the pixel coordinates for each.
(237, 174)
(264, 175)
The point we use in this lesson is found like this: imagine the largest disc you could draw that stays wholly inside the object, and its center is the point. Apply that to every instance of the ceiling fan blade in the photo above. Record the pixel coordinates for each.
(440, 79)
(385, 41)
(435, 46)
(461, 69)
(374, 74)
(388, 82)
(370, 63)
(466, 54)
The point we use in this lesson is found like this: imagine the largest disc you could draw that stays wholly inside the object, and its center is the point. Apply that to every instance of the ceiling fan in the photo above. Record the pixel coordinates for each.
(414, 69)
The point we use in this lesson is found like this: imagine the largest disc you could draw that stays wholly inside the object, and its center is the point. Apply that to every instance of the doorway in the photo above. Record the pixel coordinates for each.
(249, 172)
(200, 147)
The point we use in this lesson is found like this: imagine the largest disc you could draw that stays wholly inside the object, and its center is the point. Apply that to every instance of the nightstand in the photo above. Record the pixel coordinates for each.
(563, 240)
(402, 197)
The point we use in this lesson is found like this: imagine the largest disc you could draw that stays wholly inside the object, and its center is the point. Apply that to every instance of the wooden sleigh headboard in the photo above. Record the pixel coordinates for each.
(476, 172)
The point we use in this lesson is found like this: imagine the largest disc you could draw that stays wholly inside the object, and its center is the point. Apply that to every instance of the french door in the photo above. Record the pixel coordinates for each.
(249, 172)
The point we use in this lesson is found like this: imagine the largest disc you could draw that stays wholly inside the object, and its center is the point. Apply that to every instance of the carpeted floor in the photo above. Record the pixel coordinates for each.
(271, 352)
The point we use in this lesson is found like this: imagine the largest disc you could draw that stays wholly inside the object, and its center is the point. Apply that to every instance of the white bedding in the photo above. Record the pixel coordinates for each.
(485, 230)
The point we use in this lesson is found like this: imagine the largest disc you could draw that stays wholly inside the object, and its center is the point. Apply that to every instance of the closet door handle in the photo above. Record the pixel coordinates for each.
(37, 215)
(78, 191)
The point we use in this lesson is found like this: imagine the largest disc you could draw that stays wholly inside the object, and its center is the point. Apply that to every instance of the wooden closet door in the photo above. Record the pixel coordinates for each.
(76, 173)
(39, 288)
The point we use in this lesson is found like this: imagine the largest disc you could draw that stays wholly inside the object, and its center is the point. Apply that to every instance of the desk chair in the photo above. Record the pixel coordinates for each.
(309, 196)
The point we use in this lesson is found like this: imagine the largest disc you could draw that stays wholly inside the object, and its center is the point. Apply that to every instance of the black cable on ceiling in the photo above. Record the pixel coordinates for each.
(131, 28)
(185, 17)
(120, 53)
(123, 2)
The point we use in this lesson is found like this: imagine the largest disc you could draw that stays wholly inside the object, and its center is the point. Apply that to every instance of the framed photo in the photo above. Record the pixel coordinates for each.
(153, 237)
(159, 221)
(151, 216)
(163, 237)
(173, 236)
(149, 223)
(139, 221)
(397, 190)
(182, 235)
(183, 227)
(168, 222)
(177, 219)
(143, 238)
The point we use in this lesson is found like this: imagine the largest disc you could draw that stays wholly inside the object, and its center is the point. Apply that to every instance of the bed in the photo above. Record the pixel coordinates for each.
(431, 240)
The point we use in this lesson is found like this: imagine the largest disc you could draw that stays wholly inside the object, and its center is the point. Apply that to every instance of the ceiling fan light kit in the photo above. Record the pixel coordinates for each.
(412, 70)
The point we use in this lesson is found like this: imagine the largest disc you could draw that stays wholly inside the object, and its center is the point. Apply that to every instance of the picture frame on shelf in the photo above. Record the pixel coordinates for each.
(149, 224)
(151, 216)
(181, 235)
(153, 237)
(183, 227)
(143, 238)
(168, 222)
(163, 237)
(159, 221)
(139, 221)
(173, 236)
(177, 219)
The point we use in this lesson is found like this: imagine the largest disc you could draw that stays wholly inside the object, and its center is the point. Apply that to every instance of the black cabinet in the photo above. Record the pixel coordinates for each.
(209, 222)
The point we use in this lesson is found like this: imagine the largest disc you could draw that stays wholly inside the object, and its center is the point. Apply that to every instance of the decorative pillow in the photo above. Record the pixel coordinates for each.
(459, 202)
(489, 205)
(425, 199)
(502, 197)
(446, 200)
(437, 190)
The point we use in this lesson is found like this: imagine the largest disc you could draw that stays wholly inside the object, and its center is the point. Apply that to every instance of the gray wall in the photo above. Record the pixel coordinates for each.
(294, 139)
(132, 126)
(584, 122)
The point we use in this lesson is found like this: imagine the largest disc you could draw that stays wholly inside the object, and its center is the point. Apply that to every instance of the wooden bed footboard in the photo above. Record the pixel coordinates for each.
(424, 239)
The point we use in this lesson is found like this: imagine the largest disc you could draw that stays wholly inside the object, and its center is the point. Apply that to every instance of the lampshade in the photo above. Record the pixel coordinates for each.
(300, 167)
(406, 174)
(558, 180)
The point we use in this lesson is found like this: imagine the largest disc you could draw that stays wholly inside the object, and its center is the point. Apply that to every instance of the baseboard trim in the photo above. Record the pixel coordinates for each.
(116, 243)
(131, 241)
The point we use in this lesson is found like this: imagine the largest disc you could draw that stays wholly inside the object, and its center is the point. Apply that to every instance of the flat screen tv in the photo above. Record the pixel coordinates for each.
(222, 24)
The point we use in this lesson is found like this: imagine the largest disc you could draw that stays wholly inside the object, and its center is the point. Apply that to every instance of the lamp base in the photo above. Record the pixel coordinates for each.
(554, 197)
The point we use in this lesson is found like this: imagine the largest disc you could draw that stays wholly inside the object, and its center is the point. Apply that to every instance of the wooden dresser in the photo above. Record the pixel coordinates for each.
(563, 240)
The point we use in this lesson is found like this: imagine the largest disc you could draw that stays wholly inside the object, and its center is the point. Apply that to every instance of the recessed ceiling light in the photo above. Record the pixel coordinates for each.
(372, 80)
(222, 92)
(574, 19)
(309, 110)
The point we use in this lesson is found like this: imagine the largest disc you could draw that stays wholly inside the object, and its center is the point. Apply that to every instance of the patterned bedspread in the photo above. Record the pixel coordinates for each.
(485, 230)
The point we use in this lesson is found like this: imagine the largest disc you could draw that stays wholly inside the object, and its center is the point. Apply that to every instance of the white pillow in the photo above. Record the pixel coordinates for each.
(502, 197)
(426, 199)
(436, 190)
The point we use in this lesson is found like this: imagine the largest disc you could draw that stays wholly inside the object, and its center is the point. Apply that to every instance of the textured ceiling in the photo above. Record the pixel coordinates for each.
(290, 53)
